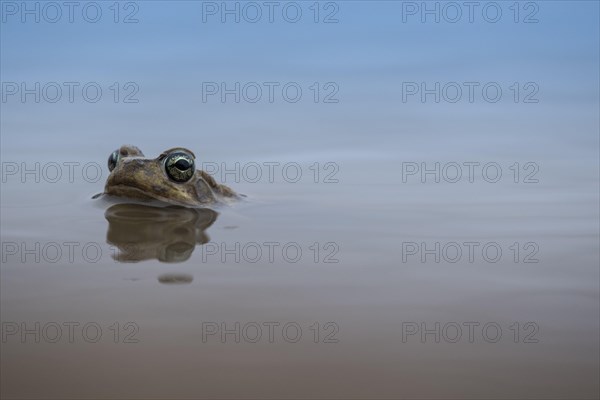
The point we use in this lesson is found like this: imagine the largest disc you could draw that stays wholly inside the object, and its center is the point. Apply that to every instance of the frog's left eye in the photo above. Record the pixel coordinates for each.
(180, 166)
(113, 159)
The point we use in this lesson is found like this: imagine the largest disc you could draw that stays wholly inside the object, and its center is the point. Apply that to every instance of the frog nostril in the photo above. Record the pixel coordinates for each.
(136, 162)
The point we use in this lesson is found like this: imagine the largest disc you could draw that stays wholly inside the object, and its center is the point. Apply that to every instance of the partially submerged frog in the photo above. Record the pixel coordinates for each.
(172, 178)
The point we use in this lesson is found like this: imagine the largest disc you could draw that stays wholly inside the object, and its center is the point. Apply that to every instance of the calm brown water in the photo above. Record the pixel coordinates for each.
(364, 288)
(350, 270)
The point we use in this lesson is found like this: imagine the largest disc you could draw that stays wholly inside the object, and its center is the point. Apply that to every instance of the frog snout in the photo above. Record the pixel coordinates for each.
(134, 163)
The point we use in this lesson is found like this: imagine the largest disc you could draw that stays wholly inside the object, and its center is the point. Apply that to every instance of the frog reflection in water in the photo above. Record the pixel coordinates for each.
(168, 234)
(170, 178)
(169, 231)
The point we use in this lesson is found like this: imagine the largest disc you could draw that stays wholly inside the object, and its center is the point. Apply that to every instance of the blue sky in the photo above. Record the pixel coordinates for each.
(368, 54)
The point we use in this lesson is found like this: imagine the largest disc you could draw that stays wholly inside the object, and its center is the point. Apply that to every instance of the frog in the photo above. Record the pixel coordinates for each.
(170, 178)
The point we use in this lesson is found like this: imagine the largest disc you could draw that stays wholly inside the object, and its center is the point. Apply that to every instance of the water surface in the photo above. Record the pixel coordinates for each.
(355, 279)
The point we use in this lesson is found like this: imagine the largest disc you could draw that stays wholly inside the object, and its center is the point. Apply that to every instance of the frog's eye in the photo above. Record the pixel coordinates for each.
(180, 166)
(113, 159)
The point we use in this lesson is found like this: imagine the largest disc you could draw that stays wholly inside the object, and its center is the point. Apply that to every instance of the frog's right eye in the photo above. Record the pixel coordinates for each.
(113, 159)
(180, 166)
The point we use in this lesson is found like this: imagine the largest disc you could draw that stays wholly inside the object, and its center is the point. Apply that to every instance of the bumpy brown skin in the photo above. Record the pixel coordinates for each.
(142, 178)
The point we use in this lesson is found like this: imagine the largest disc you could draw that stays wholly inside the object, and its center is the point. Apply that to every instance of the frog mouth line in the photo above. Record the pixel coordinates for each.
(137, 193)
